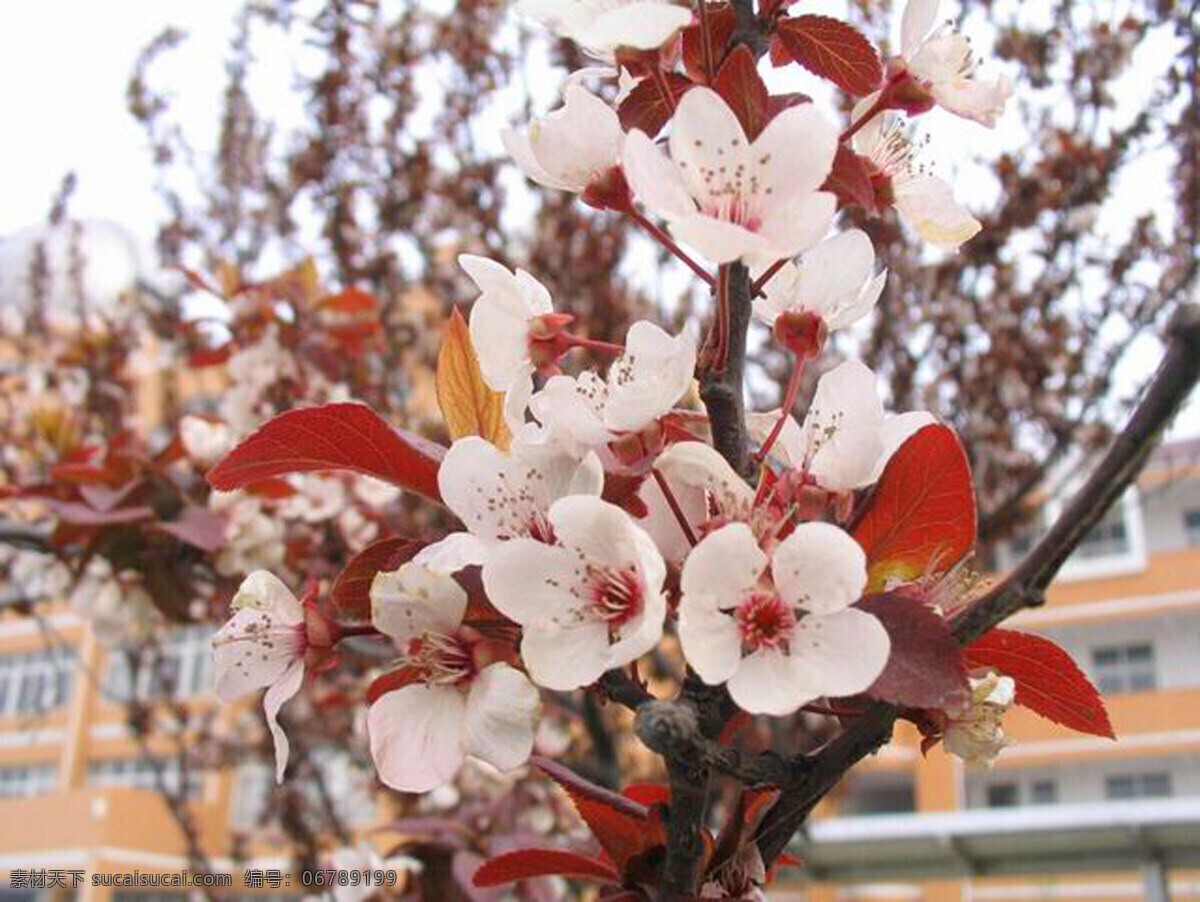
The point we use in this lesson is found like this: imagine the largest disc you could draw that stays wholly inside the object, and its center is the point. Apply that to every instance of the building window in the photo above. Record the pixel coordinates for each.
(1138, 786)
(1125, 668)
(179, 668)
(140, 773)
(34, 682)
(1043, 792)
(1108, 538)
(1003, 795)
(1191, 526)
(24, 780)
(883, 798)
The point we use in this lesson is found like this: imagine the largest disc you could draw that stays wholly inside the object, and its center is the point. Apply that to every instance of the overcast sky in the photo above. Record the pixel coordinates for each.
(65, 65)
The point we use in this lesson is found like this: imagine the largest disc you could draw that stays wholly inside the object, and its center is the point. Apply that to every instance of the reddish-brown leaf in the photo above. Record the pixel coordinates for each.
(648, 793)
(1049, 682)
(831, 49)
(352, 300)
(523, 864)
(197, 526)
(721, 21)
(622, 826)
(925, 668)
(78, 514)
(332, 437)
(921, 519)
(645, 108)
(742, 88)
(468, 405)
(850, 180)
(351, 592)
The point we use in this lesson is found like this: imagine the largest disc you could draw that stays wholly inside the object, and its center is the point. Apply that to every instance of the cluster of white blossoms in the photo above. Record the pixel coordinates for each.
(760, 586)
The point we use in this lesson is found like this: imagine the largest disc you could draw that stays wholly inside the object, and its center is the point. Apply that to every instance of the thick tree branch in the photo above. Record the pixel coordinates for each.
(1025, 587)
(721, 386)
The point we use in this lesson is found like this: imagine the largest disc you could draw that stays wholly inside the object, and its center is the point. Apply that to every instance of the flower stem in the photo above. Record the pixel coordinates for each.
(789, 400)
(666, 241)
(756, 289)
(673, 503)
(874, 110)
(591, 344)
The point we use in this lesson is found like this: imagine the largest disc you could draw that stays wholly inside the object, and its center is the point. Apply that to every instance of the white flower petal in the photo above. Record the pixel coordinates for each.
(264, 591)
(531, 582)
(720, 241)
(798, 147)
(655, 371)
(841, 432)
(710, 638)
(642, 25)
(706, 136)
(566, 659)
(765, 683)
(519, 148)
(793, 227)
(722, 568)
(819, 568)
(606, 535)
(928, 204)
(897, 429)
(696, 465)
(415, 600)
(501, 717)
(839, 654)
(417, 736)
(279, 692)
(451, 554)
(917, 20)
(655, 179)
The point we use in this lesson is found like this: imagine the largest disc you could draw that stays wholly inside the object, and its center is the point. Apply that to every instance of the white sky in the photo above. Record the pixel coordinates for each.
(65, 65)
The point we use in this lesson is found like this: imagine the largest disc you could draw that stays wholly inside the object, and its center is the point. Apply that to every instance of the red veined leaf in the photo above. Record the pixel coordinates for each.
(777, 103)
(351, 592)
(345, 436)
(850, 180)
(925, 668)
(622, 826)
(742, 88)
(742, 824)
(645, 107)
(648, 793)
(523, 864)
(721, 21)
(1049, 682)
(831, 49)
(391, 681)
(921, 518)
(197, 526)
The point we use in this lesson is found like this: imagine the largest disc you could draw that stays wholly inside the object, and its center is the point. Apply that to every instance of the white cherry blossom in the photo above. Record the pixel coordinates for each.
(643, 384)
(730, 198)
(590, 603)
(835, 280)
(942, 60)
(572, 145)
(263, 646)
(705, 487)
(455, 704)
(846, 439)
(975, 734)
(204, 440)
(503, 496)
(783, 636)
(505, 320)
(924, 201)
(602, 26)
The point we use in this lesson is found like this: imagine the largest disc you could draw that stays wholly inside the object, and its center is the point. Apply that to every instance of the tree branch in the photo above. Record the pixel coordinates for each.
(721, 383)
(1025, 587)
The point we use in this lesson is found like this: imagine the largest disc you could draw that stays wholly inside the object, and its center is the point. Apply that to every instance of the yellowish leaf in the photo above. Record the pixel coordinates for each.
(468, 405)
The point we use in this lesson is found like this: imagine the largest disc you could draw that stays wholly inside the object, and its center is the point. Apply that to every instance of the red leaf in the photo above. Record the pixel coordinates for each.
(850, 180)
(921, 519)
(622, 826)
(742, 88)
(197, 526)
(1048, 681)
(645, 108)
(648, 793)
(523, 864)
(391, 681)
(332, 437)
(351, 592)
(925, 668)
(273, 489)
(831, 49)
(352, 300)
(721, 21)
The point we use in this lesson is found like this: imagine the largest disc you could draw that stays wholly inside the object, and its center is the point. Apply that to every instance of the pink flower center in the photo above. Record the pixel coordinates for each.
(616, 596)
(765, 621)
(443, 659)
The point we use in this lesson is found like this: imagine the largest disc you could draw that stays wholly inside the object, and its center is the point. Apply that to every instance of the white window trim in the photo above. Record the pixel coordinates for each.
(1131, 561)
